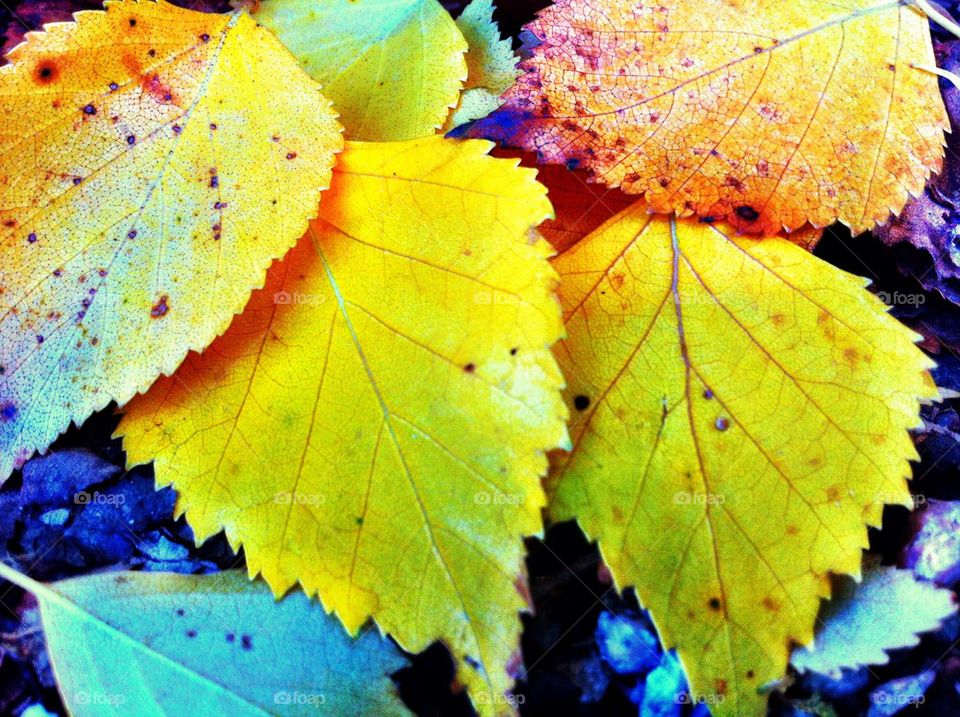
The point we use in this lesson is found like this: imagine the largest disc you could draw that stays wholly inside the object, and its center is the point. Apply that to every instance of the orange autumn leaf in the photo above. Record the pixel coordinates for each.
(765, 113)
(581, 206)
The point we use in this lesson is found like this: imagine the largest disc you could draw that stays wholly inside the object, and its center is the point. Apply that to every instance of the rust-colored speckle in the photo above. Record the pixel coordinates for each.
(160, 309)
(157, 89)
(47, 72)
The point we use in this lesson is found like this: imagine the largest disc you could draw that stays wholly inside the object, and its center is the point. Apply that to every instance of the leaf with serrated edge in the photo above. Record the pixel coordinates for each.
(147, 180)
(863, 621)
(582, 206)
(162, 643)
(374, 425)
(740, 415)
(393, 68)
(766, 113)
(491, 64)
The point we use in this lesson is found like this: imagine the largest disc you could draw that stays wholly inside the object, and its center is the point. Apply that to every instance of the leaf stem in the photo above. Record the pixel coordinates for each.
(946, 74)
(21, 580)
(938, 17)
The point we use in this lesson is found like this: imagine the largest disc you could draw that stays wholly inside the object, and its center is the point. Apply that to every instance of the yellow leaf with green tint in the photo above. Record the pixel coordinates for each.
(740, 414)
(147, 180)
(393, 68)
(373, 426)
(491, 64)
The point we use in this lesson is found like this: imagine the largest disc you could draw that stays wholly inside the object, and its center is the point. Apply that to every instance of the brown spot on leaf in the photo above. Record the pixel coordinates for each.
(737, 185)
(47, 72)
(160, 309)
(157, 89)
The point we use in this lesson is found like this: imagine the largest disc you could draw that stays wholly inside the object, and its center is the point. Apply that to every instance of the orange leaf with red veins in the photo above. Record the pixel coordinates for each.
(766, 113)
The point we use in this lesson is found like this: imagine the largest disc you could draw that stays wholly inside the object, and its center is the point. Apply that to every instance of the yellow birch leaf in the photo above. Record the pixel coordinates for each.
(373, 426)
(393, 68)
(740, 414)
(491, 65)
(766, 113)
(147, 180)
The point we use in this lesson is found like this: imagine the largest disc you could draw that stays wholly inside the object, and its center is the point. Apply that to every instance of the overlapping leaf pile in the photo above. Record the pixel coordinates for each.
(165, 182)
(375, 424)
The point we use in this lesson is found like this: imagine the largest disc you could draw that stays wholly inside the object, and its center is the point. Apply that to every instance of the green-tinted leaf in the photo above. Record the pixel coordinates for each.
(393, 68)
(146, 644)
(863, 621)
